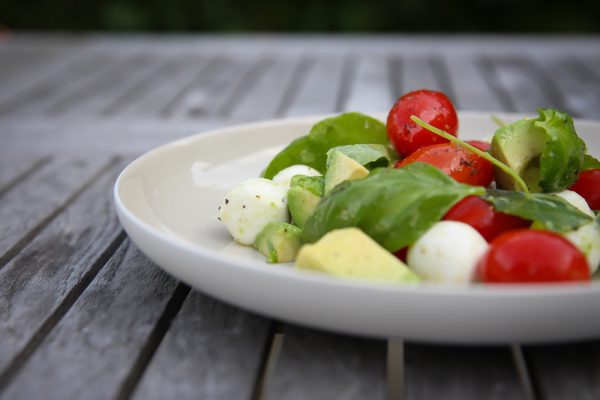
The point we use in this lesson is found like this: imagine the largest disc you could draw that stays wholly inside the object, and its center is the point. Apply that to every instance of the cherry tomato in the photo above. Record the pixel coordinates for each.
(484, 218)
(528, 256)
(456, 161)
(435, 108)
(402, 254)
(480, 144)
(588, 186)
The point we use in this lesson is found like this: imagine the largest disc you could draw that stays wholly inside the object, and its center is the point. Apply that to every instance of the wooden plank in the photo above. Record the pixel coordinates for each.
(440, 372)
(316, 365)
(211, 351)
(76, 136)
(522, 87)
(268, 92)
(214, 90)
(25, 210)
(419, 72)
(471, 90)
(117, 89)
(578, 86)
(95, 346)
(591, 64)
(163, 88)
(565, 372)
(32, 98)
(104, 84)
(40, 284)
(15, 168)
(319, 91)
(18, 63)
(40, 72)
(208, 93)
(370, 89)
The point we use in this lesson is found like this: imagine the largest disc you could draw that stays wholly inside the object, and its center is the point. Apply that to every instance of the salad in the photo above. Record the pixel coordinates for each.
(408, 201)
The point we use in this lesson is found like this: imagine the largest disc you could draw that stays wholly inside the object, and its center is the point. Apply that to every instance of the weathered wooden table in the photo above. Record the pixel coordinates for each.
(83, 314)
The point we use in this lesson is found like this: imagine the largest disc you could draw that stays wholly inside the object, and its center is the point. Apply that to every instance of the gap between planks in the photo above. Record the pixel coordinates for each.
(37, 165)
(20, 360)
(33, 232)
(153, 342)
(269, 360)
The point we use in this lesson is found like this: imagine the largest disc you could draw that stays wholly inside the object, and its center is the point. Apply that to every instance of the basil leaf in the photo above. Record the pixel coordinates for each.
(553, 212)
(393, 206)
(562, 157)
(370, 156)
(589, 162)
(311, 150)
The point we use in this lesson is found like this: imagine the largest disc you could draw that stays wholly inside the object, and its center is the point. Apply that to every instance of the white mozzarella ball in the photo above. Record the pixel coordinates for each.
(587, 240)
(448, 252)
(576, 201)
(587, 237)
(284, 177)
(250, 206)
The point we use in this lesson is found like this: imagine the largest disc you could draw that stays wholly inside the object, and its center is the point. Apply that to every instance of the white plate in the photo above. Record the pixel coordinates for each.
(167, 202)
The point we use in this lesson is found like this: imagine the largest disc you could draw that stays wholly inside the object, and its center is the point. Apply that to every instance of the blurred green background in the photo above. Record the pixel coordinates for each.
(531, 16)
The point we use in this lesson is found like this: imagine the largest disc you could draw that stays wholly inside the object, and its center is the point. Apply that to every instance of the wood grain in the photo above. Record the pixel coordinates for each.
(263, 100)
(317, 365)
(91, 351)
(212, 351)
(37, 286)
(15, 168)
(320, 88)
(370, 90)
(30, 206)
(565, 372)
(83, 316)
(439, 372)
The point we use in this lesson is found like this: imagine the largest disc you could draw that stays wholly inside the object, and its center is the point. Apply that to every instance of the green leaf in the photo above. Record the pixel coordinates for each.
(311, 150)
(589, 162)
(393, 206)
(562, 157)
(370, 156)
(551, 211)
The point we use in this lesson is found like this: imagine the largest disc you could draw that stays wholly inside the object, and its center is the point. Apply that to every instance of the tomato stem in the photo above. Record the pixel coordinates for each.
(472, 149)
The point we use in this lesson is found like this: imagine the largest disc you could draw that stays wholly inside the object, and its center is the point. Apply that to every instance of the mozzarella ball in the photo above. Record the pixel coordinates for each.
(576, 201)
(448, 252)
(587, 240)
(587, 237)
(284, 177)
(250, 206)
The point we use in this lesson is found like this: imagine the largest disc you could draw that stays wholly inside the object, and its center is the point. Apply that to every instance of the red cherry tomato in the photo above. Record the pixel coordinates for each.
(528, 256)
(484, 218)
(456, 161)
(480, 144)
(430, 106)
(402, 254)
(588, 186)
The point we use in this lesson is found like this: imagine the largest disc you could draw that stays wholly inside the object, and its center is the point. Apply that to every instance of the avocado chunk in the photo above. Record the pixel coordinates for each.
(342, 168)
(301, 203)
(279, 242)
(304, 196)
(369, 156)
(350, 253)
(313, 184)
(519, 146)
